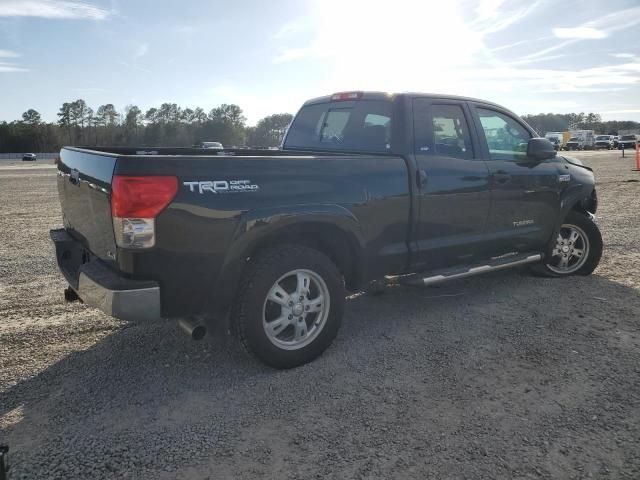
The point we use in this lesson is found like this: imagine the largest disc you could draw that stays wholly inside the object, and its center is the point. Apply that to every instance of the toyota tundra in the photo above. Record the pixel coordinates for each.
(367, 188)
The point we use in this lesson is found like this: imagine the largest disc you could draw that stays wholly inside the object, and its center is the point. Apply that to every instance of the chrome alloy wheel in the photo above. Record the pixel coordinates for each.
(296, 309)
(571, 250)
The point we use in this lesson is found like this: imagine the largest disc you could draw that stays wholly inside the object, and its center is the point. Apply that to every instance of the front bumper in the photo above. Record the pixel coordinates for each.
(100, 287)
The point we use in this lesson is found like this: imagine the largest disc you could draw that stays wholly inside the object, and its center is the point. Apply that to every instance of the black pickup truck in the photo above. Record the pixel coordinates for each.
(368, 187)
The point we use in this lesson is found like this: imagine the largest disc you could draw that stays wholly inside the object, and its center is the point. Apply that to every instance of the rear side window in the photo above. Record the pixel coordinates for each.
(362, 125)
(441, 130)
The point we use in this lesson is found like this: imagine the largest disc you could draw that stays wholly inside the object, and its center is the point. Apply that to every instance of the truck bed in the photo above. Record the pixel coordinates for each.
(199, 231)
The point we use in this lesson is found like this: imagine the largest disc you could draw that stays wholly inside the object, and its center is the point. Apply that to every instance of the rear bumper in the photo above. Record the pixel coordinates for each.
(100, 287)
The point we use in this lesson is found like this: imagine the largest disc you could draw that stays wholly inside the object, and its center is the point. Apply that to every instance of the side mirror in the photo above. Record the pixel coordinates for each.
(540, 149)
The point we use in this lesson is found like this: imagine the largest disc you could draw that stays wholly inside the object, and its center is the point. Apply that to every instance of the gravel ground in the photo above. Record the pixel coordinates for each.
(502, 376)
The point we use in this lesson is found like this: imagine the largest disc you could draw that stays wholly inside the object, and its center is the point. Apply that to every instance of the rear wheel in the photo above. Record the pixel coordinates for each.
(290, 306)
(577, 250)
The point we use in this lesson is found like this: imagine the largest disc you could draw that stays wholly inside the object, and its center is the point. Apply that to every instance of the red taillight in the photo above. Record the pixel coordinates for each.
(141, 197)
(342, 96)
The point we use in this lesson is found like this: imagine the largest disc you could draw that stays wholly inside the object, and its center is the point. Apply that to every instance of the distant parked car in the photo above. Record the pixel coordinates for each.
(557, 144)
(556, 138)
(29, 157)
(575, 143)
(627, 141)
(210, 145)
(603, 141)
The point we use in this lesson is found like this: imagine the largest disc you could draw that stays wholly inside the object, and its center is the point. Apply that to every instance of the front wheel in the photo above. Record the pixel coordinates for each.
(577, 250)
(290, 306)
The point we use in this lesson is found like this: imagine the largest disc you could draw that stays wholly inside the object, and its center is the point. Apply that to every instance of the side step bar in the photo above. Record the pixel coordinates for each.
(454, 274)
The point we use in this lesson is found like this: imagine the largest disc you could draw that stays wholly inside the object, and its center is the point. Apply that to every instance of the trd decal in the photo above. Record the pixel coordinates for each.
(221, 186)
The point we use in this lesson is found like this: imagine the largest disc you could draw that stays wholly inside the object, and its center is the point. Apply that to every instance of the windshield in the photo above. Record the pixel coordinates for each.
(574, 139)
(628, 137)
(602, 137)
(353, 125)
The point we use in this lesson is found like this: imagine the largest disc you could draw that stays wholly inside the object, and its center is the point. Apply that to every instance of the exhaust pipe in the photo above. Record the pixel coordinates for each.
(193, 327)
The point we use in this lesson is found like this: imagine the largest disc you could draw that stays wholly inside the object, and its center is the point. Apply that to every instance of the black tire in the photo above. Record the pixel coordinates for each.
(251, 304)
(593, 254)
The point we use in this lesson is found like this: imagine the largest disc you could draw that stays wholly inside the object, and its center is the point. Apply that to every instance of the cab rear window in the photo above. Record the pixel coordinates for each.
(361, 125)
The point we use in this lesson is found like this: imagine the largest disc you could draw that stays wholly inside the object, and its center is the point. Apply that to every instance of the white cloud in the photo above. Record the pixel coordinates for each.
(602, 26)
(135, 67)
(294, 27)
(140, 50)
(8, 54)
(294, 54)
(580, 32)
(11, 68)
(493, 16)
(52, 9)
(452, 56)
(631, 110)
(614, 21)
(596, 29)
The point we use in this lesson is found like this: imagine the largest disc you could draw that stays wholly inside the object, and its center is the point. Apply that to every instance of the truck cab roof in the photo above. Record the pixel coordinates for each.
(375, 95)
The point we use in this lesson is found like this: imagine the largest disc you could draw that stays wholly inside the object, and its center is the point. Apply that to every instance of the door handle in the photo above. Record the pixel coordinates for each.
(421, 179)
(501, 177)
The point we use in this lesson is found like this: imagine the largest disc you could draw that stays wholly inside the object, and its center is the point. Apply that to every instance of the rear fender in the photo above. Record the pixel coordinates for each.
(258, 227)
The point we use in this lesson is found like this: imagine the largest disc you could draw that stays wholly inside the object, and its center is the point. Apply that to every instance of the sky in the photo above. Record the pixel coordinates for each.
(531, 56)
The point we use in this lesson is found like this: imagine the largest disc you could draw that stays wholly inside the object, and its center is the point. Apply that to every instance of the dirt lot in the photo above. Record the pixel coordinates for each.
(503, 376)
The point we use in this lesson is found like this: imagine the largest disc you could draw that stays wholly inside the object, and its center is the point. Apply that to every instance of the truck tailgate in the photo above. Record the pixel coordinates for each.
(84, 188)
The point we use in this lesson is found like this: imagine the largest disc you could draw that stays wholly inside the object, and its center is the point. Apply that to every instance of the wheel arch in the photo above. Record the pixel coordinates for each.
(581, 198)
(330, 229)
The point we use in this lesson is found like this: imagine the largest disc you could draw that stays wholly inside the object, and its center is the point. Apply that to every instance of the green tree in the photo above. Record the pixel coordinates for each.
(270, 130)
(151, 115)
(229, 113)
(64, 119)
(132, 122)
(199, 115)
(31, 117)
(107, 118)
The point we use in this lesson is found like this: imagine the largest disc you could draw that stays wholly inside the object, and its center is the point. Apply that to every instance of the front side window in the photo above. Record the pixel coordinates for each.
(506, 138)
(441, 130)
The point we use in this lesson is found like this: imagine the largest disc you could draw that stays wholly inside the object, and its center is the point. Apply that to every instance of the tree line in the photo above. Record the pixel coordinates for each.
(166, 125)
(172, 125)
(555, 122)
